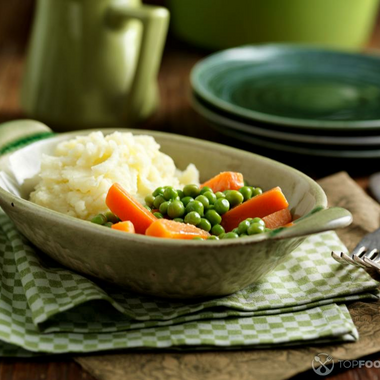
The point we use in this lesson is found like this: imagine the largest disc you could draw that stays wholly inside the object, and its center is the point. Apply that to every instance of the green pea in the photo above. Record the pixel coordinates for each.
(170, 194)
(158, 215)
(234, 197)
(257, 220)
(158, 200)
(246, 191)
(149, 199)
(99, 219)
(243, 235)
(219, 194)
(230, 235)
(211, 207)
(204, 224)
(186, 200)
(191, 190)
(111, 217)
(206, 189)
(256, 191)
(147, 207)
(159, 191)
(222, 206)
(180, 193)
(192, 218)
(197, 238)
(217, 230)
(212, 237)
(210, 196)
(108, 224)
(213, 217)
(255, 228)
(164, 207)
(176, 209)
(203, 200)
(195, 206)
(179, 220)
(243, 226)
(221, 235)
(236, 231)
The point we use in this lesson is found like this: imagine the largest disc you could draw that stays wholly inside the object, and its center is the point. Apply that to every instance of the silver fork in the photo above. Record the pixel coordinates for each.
(365, 254)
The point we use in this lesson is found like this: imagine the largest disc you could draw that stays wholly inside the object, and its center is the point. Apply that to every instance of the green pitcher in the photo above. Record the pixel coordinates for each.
(93, 63)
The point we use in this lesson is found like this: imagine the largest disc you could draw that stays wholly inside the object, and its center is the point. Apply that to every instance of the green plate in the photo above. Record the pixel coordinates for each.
(293, 86)
(279, 146)
(316, 140)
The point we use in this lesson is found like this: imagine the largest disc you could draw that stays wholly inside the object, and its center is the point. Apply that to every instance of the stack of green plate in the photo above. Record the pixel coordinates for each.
(293, 98)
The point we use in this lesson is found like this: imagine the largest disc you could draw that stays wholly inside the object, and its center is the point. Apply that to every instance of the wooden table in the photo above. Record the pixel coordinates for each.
(175, 115)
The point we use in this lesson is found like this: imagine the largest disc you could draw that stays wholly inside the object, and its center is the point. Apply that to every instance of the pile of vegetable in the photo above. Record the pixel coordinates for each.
(221, 208)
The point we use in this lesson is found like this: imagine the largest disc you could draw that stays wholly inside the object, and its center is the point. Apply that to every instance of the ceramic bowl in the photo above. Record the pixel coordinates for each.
(164, 267)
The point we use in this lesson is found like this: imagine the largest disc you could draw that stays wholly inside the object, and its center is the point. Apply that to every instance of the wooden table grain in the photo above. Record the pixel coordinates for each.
(174, 115)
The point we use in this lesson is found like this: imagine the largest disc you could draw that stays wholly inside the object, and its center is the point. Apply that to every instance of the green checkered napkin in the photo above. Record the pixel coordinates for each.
(45, 308)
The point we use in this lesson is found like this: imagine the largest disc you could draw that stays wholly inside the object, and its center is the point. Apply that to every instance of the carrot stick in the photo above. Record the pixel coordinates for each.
(170, 229)
(225, 181)
(126, 226)
(127, 207)
(259, 206)
(278, 218)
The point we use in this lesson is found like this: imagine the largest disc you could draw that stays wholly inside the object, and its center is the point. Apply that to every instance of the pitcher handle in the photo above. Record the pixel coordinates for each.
(155, 21)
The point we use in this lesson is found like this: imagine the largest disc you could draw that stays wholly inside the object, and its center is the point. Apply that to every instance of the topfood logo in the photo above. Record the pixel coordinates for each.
(323, 364)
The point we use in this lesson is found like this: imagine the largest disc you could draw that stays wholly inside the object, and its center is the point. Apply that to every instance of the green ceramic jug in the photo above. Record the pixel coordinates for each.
(93, 63)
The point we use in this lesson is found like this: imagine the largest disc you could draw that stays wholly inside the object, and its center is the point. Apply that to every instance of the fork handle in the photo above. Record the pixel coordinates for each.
(324, 220)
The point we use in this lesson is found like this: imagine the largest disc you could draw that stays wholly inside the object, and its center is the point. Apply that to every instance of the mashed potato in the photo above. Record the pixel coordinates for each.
(75, 181)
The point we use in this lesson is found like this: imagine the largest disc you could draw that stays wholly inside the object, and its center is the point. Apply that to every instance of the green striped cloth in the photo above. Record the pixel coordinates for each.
(45, 308)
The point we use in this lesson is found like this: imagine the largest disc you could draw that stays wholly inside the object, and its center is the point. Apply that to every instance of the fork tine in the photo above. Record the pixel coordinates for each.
(348, 259)
(371, 263)
(359, 251)
(357, 256)
(359, 261)
(372, 254)
(336, 255)
(364, 254)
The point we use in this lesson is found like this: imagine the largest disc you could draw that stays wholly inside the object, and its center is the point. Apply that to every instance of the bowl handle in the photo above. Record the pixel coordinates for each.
(324, 220)
(17, 133)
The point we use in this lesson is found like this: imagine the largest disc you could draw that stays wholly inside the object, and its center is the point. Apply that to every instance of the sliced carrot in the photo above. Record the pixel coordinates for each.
(126, 207)
(126, 226)
(259, 206)
(174, 230)
(278, 218)
(225, 181)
